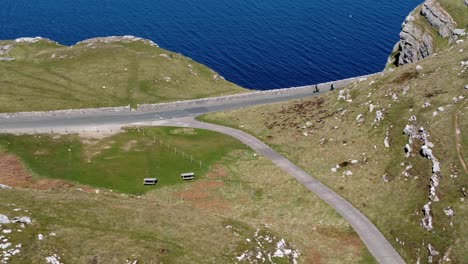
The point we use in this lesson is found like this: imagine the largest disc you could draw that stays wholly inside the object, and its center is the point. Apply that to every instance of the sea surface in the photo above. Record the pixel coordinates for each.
(258, 44)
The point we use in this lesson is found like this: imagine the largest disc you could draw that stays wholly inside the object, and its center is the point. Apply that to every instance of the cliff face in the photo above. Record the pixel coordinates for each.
(415, 43)
(419, 31)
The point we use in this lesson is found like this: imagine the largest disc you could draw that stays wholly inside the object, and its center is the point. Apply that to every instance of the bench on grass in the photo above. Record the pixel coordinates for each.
(150, 181)
(187, 176)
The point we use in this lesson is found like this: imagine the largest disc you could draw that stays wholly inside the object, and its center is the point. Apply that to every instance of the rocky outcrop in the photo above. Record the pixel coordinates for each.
(113, 39)
(466, 3)
(416, 42)
(439, 18)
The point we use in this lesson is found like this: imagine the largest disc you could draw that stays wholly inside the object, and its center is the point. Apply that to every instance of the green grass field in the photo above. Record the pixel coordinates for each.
(120, 162)
(49, 76)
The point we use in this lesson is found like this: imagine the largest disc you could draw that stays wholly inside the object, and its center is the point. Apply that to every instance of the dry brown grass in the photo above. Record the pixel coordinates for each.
(318, 133)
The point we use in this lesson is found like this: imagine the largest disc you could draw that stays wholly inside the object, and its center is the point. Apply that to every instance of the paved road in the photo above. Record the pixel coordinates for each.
(174, 110)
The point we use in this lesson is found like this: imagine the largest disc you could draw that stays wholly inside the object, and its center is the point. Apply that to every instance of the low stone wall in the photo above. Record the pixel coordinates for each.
(248, 96)
(69, 112)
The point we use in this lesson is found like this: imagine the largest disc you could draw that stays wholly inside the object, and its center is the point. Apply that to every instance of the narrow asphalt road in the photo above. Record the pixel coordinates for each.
(376, 243)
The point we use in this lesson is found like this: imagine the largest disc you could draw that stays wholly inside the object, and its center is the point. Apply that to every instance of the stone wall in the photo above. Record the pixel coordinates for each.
(69, 112)
(248, 96)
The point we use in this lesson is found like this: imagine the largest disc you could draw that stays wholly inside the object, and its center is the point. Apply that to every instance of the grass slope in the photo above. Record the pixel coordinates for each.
(210, 220)
(49, 76)
(318, 133)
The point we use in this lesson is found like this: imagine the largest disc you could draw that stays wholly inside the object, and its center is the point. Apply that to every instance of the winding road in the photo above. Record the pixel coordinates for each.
(376, 243)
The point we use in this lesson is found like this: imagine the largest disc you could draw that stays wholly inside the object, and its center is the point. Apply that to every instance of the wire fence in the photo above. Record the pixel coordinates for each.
(177, 151)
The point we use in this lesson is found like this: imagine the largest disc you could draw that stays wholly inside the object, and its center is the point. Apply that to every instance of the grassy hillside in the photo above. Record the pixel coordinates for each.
(44, 75)
(338, 138)
(240, 207)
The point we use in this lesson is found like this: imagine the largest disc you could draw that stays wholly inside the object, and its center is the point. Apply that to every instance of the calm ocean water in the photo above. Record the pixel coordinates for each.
(258, 44)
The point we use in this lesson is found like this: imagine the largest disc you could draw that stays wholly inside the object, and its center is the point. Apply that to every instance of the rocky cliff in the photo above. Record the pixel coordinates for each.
(424, 26)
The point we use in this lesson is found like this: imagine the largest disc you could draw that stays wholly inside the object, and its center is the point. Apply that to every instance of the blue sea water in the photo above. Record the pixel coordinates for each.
(259, 44)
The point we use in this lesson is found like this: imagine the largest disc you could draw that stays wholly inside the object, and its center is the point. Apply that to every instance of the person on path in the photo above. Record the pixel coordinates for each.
(316, 89)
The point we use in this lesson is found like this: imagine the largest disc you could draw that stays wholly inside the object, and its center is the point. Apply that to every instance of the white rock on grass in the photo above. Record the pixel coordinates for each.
(4, 219)
(385, 178)
(432, 252)
(435, 166)
(449, 211)
(426, 222)
(6, 231)
(386, 142)
(3, 186)
(23, 219)
(405, 90)
(28, 40)
(378, 116)
(348, 173)
(359, 118)
(54, 259)
(426, 104)
(386, 139)
(5, 245)
(40, 237)
(407, 150)
(426, 152)
(409, 130)
(419, 68)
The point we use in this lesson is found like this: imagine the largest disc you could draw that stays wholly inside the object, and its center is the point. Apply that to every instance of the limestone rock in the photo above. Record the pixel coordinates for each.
(28, 40)
(459, 32)
(3, 186)
(415, 44)
(113, 39)
(439, 18)
(426, 222)
(4, 219)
